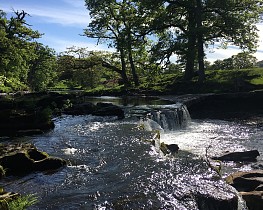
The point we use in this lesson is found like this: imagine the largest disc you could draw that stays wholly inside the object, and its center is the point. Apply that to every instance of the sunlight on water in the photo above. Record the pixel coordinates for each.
(216, 137)
(112, 164)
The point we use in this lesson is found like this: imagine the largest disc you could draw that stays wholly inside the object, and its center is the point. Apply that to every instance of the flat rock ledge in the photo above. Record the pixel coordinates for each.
(21, 159)
(250, 186)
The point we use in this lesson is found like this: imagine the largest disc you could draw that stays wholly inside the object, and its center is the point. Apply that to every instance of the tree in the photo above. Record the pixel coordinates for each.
(197, 23)
(43, 68)
(260, 64)
(120, 24)
(16, 47)
(242, 60)
(88, 69)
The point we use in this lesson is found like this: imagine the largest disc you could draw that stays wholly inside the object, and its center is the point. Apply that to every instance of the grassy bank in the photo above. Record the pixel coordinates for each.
(217, 81)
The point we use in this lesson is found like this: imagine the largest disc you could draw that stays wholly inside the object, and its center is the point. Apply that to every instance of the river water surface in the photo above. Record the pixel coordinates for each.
(113, 166)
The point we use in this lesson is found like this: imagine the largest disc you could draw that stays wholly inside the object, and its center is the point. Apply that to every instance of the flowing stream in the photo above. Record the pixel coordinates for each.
(113, 165)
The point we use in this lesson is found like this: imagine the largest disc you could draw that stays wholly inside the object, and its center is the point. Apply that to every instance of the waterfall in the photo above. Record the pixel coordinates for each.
(167, 118)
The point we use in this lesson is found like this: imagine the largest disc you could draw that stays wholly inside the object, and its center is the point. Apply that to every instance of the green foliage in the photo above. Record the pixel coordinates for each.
(42, 72)
(24, 63)
(86, 70)
(22, 203)
(184, 27)
(242, 60)
(123, 25)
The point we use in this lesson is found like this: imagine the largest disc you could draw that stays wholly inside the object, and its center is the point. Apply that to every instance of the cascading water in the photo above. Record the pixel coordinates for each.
(113, 167)
(169, 117)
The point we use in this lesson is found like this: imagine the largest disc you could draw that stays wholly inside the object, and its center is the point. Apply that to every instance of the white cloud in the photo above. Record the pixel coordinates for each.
(233, 50)
(73, 16)
(61, 45)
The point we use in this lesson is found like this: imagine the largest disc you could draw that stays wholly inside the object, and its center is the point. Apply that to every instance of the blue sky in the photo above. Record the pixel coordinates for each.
(62, 23)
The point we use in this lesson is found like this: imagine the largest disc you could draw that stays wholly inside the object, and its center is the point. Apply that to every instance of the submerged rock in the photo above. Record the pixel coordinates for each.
(250, 186)
(24, 159)
(239, 156)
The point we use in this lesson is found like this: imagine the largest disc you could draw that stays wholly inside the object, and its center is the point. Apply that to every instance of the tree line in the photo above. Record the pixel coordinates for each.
(145, 35)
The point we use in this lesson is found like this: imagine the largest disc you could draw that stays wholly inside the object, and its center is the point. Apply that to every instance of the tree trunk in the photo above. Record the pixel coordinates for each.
(133, 69)
(200, 42)
(123, 68)
(191, 46)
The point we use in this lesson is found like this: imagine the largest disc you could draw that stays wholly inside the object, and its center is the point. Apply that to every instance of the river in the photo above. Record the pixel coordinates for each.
(113, 166)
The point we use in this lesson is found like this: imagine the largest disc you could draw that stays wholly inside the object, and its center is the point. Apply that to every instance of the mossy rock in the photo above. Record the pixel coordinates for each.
(20, 160)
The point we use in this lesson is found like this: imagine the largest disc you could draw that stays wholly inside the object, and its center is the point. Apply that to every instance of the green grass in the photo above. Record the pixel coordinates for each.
(22, 202)
(217, 81)
(19, 203)
(221, 81)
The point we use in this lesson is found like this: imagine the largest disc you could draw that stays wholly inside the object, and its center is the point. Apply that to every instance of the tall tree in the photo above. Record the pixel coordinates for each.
(119, 23)
(16, 46)
(197, 23)
(43, 68)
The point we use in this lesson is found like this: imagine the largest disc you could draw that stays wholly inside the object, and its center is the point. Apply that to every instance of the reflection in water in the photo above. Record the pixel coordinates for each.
(113, 167)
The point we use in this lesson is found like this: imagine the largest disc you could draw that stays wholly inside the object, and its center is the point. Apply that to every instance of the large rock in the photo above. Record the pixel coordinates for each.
(239, 156)
(250, 186)
(13, 122)
(24, 159)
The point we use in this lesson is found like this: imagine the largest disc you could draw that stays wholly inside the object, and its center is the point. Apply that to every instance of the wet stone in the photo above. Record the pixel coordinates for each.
(250, 186)
(23, 159)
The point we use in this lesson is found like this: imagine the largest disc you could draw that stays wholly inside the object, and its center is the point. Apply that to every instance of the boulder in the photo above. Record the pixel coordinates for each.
(50, 163)
(250, 186)
(17, 164)
(23, 159)
(239, 156)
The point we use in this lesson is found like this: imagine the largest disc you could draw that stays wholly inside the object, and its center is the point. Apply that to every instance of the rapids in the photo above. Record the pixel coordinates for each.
(113, 166)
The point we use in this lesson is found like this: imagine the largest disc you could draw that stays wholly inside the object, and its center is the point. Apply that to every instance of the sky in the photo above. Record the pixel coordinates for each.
(62, 23)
